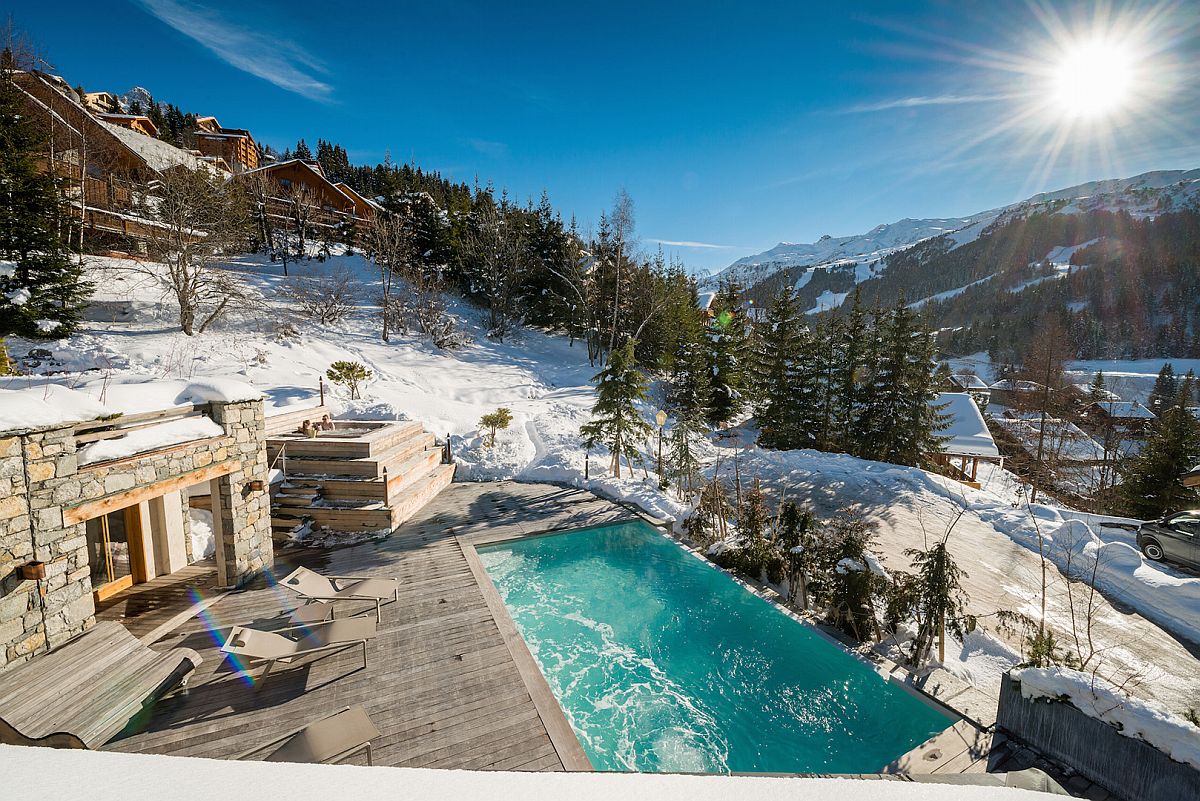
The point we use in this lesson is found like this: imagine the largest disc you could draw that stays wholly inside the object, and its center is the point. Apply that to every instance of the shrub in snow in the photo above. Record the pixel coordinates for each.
(327, 296)
(497, 420)
(351, 375)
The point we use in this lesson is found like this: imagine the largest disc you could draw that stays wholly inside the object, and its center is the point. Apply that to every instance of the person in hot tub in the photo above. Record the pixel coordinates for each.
(326, 424)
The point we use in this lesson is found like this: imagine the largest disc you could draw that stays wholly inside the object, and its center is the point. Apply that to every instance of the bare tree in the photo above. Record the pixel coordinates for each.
(581, 294)
(621, 221)
(391, 243)
(261, 189)
(301, 207)
(198, 218)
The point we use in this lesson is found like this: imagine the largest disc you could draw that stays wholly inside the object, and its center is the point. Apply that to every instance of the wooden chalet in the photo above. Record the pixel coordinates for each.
(234, 145)
(364, 208)
(134, 122)
(966, 440)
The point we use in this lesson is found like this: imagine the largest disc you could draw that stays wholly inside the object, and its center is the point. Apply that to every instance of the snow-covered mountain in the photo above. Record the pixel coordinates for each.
(864, 254)
(137, 94)
(864, 250)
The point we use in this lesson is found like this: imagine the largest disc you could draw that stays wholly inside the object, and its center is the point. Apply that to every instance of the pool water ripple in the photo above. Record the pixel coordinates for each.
(663, 663)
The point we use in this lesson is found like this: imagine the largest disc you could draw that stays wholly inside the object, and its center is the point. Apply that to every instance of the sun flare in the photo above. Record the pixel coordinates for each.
(1093, 79)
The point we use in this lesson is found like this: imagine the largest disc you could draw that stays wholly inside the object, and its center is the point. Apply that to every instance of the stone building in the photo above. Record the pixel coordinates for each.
(74, 530)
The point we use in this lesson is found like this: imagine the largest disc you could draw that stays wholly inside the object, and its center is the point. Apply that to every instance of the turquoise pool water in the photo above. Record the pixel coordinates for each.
(661, 662)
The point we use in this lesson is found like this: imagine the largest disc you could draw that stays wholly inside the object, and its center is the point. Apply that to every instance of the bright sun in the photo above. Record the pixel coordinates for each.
(1093, 79)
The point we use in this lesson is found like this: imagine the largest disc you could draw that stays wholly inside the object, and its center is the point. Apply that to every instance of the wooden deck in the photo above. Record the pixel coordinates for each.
(444, 685)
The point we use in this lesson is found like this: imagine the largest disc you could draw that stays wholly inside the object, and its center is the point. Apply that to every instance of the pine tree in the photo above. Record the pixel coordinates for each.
(753, 520)
(1166, 387)
(1152, 487)
(683, 463)
(615, 421)
(851, 373)
(778, 343)
(302, 151)
(796, 531)
(941, 600)
(1097, 391)
(688, 387)
(727, 336)
(42, 293)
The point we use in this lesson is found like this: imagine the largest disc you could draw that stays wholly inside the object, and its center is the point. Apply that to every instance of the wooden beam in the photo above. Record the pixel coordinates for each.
(110, 503)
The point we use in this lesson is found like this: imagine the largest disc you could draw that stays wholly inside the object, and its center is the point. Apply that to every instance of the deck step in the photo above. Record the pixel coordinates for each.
(297, 500)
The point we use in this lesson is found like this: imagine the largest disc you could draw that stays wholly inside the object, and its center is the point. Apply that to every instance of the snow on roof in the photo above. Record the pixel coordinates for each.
(1063, 439)
(1016, 385)
(967, 381)
(46, 407)
(704, 300)
(1088, 389)
(968, 433)
(157, 154)
(53, 405)
(1125, 410)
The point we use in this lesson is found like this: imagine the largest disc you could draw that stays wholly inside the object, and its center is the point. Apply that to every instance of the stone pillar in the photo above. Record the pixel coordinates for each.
(39, 472)
(244, 526)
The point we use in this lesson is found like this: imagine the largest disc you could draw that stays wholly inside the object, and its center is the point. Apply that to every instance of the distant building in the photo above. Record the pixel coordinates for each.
(101, 102)
(235, 145)
(1129, 416)
(308, 174)
(973, 385)
(134, 122)
(967, 439)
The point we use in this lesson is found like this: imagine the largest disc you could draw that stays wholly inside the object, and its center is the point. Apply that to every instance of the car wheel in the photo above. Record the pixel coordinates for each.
(1153, 551)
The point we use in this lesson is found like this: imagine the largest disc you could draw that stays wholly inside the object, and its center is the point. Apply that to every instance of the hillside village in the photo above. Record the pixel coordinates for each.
(228, 374)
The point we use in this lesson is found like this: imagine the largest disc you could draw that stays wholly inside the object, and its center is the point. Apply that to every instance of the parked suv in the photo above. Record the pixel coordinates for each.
(1175, 538)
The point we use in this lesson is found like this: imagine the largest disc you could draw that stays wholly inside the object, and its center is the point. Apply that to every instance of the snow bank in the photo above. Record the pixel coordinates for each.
(1171, 601)
(1144, 720)
(163, 435)
(113, 776)
(45, 406)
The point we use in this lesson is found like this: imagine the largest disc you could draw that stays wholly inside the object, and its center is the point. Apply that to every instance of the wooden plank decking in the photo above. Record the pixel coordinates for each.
(444, 686)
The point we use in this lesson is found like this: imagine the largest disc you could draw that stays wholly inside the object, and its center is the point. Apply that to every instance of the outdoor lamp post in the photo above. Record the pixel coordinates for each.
(661, 418)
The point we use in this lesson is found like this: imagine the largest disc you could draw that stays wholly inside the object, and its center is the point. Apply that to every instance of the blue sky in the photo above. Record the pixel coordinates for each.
(733, 127)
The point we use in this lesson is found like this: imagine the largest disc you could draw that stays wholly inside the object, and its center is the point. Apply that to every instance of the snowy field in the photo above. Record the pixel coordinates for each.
(133, 338)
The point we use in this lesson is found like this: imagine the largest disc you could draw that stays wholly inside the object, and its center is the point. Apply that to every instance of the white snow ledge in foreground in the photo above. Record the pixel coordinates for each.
(111, 776)
(1143, 720)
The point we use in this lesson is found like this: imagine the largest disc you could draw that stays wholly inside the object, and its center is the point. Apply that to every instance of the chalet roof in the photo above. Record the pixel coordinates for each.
(968, 381)
(1017, 385)
(1088, 389)
(157, 154)
(968, 433)
(349, 190)
(1124, 410)
(1063, 439)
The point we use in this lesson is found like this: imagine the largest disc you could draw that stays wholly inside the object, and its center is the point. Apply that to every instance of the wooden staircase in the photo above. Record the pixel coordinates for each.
(353, 479)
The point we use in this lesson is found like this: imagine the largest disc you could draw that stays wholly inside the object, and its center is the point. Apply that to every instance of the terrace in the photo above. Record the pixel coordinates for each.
(444, 685)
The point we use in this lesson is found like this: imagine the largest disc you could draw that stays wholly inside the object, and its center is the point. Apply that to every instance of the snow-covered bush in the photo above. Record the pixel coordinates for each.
(327, 296)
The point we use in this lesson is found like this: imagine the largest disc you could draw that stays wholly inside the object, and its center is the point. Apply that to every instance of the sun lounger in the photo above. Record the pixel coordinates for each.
(313, 586)
(292, 643)
(329, 739)
(85, 691)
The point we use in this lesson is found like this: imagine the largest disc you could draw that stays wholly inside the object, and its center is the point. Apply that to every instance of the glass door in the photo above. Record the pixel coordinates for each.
(114, 544)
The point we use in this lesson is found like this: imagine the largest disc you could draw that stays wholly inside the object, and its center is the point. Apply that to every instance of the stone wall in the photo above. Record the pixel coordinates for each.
(40, 479)
(1126, 767)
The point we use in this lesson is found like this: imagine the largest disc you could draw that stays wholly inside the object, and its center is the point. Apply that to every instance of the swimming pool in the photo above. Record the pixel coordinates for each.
(661, 662)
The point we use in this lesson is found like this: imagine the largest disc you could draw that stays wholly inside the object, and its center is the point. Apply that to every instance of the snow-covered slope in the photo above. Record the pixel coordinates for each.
(1142, 196)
